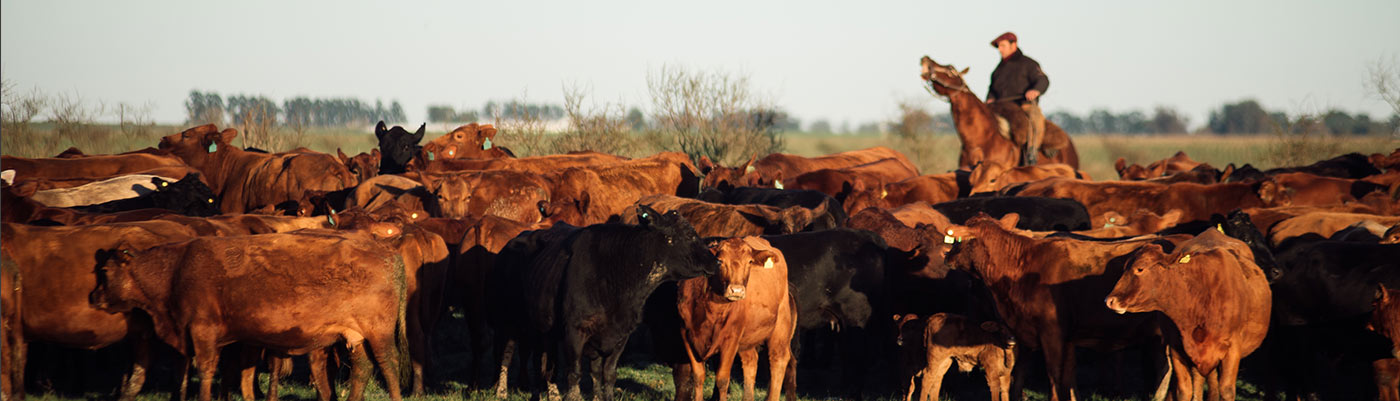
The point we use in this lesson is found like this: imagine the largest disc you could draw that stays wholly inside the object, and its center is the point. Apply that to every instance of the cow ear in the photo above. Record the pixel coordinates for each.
(767, 258)
(422, 129)
(488, 131)
(343, 158)
(227, 135)
(429, 180)
(706, 165)
(1119, 165)
(374, 153)
(646, 215)
(846, 190)
(583, 201)
(1382, 297)
(1009, 220)
(380, 130)
(1267, 190)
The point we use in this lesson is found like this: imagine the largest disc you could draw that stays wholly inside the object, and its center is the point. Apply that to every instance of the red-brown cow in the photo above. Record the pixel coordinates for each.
(931, 189)
(991, 176)
(12, 343)
(943, 339)
(1216, 298)
(743, 306)
(363, 166)
(834, 182)
(250, 180)
(86, 167)
(592, 195)
(1196, 201)
(721, 220)
(1324, 224)
(764, 171)
(57, 263)
(1049, 291)
(534, 164)
(292, 293)
(1179, 162)
(1385, 319)
(514, 195)
(471, 141)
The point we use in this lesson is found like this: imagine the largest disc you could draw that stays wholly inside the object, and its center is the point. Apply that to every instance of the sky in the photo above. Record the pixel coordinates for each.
(840, 61)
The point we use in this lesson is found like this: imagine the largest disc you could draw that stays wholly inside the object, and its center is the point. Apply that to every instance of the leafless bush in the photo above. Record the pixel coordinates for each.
(912, 131)
(520, 130)
(598, 128)
(20, 109)
(135, 122)
(75, 124)
(259, 130)
(1385, 83)
(1299, 141)
(710, 114)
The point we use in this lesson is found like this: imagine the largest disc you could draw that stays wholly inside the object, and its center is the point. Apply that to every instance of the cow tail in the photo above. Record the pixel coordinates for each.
(404, 361)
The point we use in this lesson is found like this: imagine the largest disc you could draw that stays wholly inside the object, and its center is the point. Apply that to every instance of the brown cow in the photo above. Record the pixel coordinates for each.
(534, 164)
(1324, 224)
(57, 263)
(721, 220)
(1196, 201)
(1178, 163)
(206, 292)
(931, 189)
(1311, 189)
(1385, 319)
(741, 307)
(41, 184)
(597, 194)
(944, 339)
(1215, 297)
(471, 141)
(514, 195)
(86, 167)
(1049, 291)
(363, 166)
(764, 171)
(1142, 222)
(250, 180)
(12, 343)
(834, 182)
(383, 190)
(991, 176)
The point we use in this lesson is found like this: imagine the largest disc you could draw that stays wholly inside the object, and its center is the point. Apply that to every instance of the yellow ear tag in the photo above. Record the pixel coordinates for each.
(1219, 228)
(164, 184)
(413, 216)
(1113, 220)
(749, 170)
(390, 231)
(1184, 259)
(768, 264)
(884, 193)
(211, 200)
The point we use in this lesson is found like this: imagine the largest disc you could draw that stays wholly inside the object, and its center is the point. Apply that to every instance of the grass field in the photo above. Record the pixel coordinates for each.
(1096, 152)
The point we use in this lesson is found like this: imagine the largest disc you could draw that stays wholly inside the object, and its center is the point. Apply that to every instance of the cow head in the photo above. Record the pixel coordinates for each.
(737, 258)
(116, 286)
(197, 145)
(364, 165)
(1145, 281)
(398, 146)
(985, 175)
(188, 196)
(683, 255)
(1385, 317)
(720, 177)
(1274, 194)
(471, 141)
(1237, 225)
(1392, 235)
(453, 190)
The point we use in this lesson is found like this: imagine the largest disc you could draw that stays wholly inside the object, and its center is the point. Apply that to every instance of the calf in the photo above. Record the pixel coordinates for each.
(721, 220)
(1213, 294)
(743, 306)
(1037, 214)
(271, 290)
(944, 339)
(247, 181)
(834, 216)
(188, 196)
(363, 166)
(932, 188)
(123, 187)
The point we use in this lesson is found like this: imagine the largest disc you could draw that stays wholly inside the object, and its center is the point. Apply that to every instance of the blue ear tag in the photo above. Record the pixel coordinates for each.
(330, 219)
(213, 147)
(430, 156)
(644, 215)
(486, 145)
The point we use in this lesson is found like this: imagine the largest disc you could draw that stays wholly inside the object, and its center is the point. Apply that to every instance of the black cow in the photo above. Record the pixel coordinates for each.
(188, 196)
(1037, 213)
(834, 215)
(1322, 300)
(398, 146)
(583, 289)
(1350, 165)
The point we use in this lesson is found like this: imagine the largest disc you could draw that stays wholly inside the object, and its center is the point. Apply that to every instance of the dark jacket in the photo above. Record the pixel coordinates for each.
(1014, 76)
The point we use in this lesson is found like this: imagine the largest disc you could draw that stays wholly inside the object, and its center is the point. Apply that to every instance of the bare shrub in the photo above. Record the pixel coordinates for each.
(598, 128)
(259, 129)
(521, 129)
(135, 122)
(1385, 83)
(711, 114)
(75, 124)
(1300, 141)
(17, 118)
(912, 131)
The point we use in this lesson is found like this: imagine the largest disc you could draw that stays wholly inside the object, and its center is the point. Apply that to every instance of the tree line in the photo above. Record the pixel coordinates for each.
(1244, 117)
(301, 111)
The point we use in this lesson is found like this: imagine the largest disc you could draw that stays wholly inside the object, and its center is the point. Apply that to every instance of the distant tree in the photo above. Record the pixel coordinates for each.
(1340, 123)
(820, 127)
(204, 108)
(1072, 124)
(1166, 120)
(396, 114)
(438, 113)
(1245, 117)
(636, 119)
(1102, 121)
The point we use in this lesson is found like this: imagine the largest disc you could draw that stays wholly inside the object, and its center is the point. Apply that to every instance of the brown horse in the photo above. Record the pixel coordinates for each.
(977, 127)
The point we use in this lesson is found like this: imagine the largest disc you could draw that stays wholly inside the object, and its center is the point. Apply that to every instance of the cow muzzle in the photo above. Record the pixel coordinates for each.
(1115, 304)
(735, 292)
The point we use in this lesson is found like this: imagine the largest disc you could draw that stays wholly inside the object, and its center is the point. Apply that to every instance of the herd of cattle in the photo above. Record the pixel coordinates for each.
(198, 244)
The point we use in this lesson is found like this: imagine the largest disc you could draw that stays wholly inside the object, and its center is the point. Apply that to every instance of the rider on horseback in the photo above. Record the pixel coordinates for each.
(1014, 94)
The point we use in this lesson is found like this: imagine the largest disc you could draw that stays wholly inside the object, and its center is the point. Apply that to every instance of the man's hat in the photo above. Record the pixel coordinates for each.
(1005, 36)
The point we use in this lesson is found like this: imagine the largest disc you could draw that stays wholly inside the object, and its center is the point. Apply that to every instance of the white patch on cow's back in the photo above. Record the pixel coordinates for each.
(8, 176)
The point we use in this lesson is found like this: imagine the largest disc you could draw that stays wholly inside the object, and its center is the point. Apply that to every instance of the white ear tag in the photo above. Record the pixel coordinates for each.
(778, 184)
(486, 145)
(768, 264)
(749, 170)
(1184, 259)
(948, 239)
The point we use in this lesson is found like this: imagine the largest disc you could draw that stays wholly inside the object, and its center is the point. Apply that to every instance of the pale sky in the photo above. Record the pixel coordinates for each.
(840, 61)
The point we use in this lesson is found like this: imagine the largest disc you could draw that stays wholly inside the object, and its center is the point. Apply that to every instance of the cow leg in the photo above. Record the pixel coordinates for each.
(545, 376)
(319, 378)
(388, 358)
(790, 379)
(359, 372)
(1181, 375)
(417, 344)
(938, 365)
(697, 375)
(184, 376)
(1228, 370)
(748, 360)
(141, 362)
(17, 357)
(507, 348)
(1055, 355)
(274, 378)
(779, 356)
(609, 375)
(248, 358)
(1018, 377)
(1164, 360)
(1387, 379)
(727, 352)
(206, 359)
(1197, 385)
(681, 377)
(571, 361)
